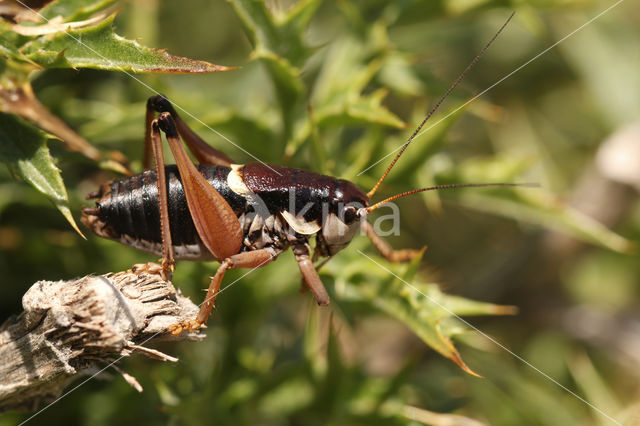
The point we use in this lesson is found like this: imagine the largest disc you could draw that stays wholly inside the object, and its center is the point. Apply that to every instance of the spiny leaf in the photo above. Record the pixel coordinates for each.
(278, 42)
(23, 148)
(338, 98)
(281, 35)
(363, 110)
(286, 77)
(99, 47)
(10, 43)
(421, 307)
(344, 74)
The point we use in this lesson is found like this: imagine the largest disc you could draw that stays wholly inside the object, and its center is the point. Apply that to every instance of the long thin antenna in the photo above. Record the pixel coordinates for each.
(437, 105)
(448, 186)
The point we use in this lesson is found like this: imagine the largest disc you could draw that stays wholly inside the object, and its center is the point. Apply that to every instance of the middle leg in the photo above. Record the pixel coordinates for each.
(310, 275)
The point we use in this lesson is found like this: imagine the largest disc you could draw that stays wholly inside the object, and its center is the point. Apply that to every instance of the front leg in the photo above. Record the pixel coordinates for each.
(249, 259)
(385, 249)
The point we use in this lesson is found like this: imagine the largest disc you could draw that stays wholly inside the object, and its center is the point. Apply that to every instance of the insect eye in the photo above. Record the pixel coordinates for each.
(349, 214)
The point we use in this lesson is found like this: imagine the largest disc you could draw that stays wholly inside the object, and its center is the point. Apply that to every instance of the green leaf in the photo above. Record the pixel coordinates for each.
(593, 386)
(338, 94)
(535, 206)
(74, 10)
(99, 47)
(362, 110)
(619, 103)
(23, 148)
(431, 314)
(285, 76)
(278, 41)
(278, 34)
(397, 73)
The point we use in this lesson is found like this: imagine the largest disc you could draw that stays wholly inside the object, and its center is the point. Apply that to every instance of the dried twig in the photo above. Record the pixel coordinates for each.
(70, 329)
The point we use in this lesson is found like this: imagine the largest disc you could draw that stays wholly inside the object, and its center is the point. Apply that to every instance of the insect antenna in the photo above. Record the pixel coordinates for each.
(447, 186)
(437, 105)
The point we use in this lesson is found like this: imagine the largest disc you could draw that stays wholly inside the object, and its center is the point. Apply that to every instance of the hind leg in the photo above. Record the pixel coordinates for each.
(204, 153)
(250, 259)
(165, 270)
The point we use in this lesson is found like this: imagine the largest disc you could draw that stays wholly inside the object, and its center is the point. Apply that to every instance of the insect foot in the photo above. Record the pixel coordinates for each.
(181, 327)
(165, 271)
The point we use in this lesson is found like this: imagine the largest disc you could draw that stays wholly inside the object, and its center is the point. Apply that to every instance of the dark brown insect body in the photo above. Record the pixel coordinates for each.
(243, 216)
(128, 209)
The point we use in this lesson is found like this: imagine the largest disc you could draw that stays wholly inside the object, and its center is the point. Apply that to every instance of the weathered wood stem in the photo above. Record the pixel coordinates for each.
(70, 329)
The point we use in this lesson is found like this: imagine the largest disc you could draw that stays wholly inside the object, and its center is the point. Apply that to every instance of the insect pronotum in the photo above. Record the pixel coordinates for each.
(242, 215)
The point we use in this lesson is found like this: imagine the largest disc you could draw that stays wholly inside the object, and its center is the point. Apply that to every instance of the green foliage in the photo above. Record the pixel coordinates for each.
(23, 148)
(74, 10)
(98, 47)
(431, 314)
(72, 35)
(334, 87)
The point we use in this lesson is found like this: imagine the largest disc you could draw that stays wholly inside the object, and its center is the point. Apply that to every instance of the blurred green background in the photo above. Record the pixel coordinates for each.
(370, 70)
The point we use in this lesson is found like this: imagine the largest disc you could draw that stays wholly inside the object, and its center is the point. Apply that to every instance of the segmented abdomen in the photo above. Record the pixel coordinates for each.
(128, 211)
